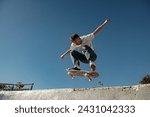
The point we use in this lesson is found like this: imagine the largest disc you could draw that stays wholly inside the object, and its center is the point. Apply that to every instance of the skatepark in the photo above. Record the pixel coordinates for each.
(136, 92)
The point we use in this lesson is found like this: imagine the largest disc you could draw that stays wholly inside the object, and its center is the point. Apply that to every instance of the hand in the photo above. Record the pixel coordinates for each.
(107, 20)
(62, 57)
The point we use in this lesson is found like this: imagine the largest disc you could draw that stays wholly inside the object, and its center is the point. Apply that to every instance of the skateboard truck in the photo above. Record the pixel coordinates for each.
(88, 76)
(72, 77)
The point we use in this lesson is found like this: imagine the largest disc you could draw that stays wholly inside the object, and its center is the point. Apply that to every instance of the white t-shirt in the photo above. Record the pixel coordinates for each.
(86, 40)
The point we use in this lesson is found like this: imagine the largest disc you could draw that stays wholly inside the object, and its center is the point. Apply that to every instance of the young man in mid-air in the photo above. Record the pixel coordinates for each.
(82, 49)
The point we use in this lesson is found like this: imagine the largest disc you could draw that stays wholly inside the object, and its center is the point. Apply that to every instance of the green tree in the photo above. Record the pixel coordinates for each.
(145, 80)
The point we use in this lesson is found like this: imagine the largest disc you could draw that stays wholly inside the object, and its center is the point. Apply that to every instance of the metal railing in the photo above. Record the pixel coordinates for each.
(16, 87)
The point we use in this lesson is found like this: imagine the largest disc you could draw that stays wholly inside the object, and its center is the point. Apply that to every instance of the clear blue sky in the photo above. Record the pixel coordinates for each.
(34, 33)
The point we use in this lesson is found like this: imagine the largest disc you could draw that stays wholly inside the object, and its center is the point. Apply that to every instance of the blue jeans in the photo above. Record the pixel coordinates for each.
(85, 57)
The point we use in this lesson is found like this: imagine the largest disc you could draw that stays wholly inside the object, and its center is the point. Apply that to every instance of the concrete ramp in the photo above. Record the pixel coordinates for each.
(138, 92)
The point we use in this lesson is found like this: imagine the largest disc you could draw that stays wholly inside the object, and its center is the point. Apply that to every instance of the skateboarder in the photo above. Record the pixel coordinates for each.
(81, 49)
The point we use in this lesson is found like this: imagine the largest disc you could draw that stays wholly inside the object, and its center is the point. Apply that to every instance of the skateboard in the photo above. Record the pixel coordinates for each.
(89, 74)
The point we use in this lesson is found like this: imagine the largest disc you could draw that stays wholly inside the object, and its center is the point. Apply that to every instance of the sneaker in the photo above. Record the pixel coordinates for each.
(93, 66)
(75, 68)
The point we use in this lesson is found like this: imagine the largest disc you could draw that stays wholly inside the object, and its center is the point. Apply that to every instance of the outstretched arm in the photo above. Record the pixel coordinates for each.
(66, 53)
(101, 26)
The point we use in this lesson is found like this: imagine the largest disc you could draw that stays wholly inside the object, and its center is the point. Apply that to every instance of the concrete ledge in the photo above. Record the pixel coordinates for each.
(137, 92)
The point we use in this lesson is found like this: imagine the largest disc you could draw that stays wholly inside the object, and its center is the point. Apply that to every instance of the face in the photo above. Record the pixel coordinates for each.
(77, 41)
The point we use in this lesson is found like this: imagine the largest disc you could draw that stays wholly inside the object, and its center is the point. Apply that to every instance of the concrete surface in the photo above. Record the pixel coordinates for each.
(137, 92)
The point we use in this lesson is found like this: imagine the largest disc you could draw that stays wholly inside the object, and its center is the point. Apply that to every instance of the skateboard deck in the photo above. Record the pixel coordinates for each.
(89, 74)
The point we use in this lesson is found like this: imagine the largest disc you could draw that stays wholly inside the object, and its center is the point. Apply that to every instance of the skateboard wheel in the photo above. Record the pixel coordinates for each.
(86, 75)
(72, 77)
(90, 79)
(68, 73)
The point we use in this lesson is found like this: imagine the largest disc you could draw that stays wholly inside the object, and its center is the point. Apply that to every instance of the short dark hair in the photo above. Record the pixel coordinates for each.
(74, 36)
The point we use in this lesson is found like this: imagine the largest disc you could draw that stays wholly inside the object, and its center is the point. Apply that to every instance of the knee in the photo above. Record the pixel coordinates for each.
(74, 53)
